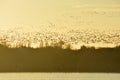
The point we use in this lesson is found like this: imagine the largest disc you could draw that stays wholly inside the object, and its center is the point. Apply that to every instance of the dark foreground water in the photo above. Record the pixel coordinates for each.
(59, 60)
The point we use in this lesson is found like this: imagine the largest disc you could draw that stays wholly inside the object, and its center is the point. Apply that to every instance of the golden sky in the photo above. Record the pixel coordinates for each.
(37, 12)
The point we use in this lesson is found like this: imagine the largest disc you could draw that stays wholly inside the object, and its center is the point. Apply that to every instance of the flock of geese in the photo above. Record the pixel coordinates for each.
(72, 39)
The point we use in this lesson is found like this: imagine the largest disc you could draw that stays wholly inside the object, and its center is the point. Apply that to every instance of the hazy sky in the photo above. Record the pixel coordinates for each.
(36, 12)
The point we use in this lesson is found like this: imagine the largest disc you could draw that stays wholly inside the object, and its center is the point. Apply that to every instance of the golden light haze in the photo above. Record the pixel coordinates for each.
(66, 13)
(42, 23)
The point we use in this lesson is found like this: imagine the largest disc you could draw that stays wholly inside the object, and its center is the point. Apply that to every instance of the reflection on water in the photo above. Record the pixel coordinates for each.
(59, 76)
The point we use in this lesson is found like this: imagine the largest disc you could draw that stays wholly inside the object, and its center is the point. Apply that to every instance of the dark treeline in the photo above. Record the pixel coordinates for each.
(58, 60)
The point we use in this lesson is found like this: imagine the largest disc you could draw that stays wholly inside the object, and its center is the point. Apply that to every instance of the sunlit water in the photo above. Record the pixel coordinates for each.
(59, 76)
